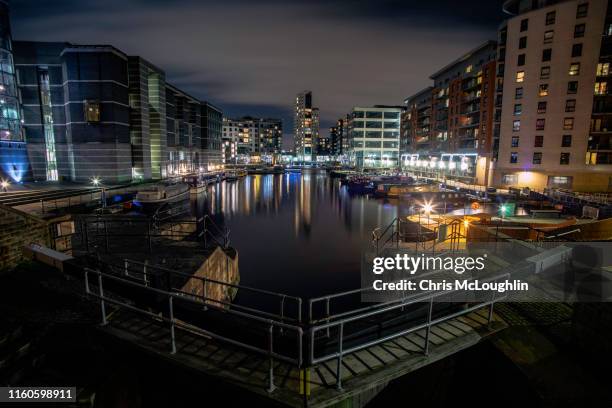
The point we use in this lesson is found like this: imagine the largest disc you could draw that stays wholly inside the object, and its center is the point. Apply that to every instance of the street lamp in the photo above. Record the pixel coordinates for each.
(5, 185)
(95, 181)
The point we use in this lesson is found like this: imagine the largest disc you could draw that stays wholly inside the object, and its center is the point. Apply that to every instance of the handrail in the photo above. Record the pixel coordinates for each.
(171, 319)
(204, 279)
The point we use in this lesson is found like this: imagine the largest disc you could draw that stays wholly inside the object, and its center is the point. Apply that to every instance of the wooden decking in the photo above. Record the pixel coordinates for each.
(362, 371)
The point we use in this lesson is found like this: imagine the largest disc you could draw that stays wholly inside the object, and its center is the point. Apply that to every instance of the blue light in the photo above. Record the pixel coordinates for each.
(14, 160)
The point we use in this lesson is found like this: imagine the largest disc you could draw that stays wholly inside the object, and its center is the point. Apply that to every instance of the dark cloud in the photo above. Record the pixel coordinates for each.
(252, 57)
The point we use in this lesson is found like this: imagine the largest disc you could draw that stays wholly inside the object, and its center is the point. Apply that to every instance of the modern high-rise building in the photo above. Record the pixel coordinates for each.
(556, 116)
(14, 164)
(254, 138)
(375, 136)
(306, 127)
(93, 111)
(448, 128)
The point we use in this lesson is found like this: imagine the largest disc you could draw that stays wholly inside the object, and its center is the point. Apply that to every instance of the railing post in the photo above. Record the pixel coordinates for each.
(490, 319)
(87, 291)
(429, 316)
(205, 293)
(299, 310)
(327, 314)
(339, 363)
(172, 338)
(125, 265)
(144, 273)
(101, 294)
(271, 386)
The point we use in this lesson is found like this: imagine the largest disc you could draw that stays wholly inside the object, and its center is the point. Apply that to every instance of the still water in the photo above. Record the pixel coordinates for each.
(298, 234)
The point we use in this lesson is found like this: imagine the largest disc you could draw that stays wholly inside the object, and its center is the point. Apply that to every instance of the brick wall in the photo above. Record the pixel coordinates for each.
(18, 229)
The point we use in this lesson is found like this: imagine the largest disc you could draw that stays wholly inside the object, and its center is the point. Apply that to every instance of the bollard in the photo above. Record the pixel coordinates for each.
(271, 386)
(102, 305)
(339, 364)
(172, 337)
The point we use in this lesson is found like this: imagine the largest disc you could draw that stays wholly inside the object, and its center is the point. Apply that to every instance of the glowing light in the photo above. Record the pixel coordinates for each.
(466, 224)
(5, 184)
(95, 181)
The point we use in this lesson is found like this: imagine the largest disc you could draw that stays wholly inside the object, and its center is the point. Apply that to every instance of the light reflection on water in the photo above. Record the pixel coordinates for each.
(300, 234)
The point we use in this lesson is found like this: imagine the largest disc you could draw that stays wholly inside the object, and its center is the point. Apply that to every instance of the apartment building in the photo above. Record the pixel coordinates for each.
(375, 136)
(556, 115)
(448, 128)
(306, 127)
(254, 139)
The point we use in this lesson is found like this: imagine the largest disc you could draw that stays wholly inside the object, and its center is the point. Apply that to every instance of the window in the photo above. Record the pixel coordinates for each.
(565, 158)
(513, 157)
(515, 141)
(92, 111)
(516, 125)
(518, 93)
(524, 25)
(539, 141)
(601, 88)
(543, 90)
(509, 179)
(560, 181)
(603, 69)
(582, 10)
(574, 69)
(566, 141)
(608, 30)
(572, 87)
(570, 105)
(518, 109)
(579, 30)
(522, 43)
(568, 123)
(520, 76)
(576, 50)
(542, 107)
(540, 124)
(549, 36)
(469, 69)
(537, 158)
(546, 54)
(544, 72)
(521, 60)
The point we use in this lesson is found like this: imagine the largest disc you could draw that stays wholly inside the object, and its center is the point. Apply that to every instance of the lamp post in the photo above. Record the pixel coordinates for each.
(97, 182)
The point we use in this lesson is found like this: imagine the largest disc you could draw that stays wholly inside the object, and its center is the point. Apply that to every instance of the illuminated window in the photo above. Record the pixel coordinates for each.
(603, 69)
(468, 69)
(509, 179)
(516, 125)
(518, 109)
(92, 111)
(513, 157)
(601, 88)
(515, 141)
(543, 91)
(520, 76)
(549, 36)
(574, 69)
(570, 105)
(568, 123)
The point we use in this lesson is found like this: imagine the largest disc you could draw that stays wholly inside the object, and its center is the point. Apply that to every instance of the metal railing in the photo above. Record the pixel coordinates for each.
(430, 322)
(194, 328)
(144, 271)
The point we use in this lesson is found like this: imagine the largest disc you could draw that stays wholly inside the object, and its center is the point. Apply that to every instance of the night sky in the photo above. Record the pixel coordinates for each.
(253, 56)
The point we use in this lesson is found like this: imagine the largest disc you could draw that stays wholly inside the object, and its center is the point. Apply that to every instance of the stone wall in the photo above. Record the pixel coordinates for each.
(18, 229)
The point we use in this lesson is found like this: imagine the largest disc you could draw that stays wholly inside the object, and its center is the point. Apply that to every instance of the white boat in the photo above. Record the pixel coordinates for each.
(162, 193)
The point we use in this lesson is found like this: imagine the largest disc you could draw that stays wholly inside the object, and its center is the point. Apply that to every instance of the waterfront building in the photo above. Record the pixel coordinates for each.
(306, 127)
(255, 139)
(375, 134)
(448, 128)
(556, 116)
(14, 166)
(93, 111)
